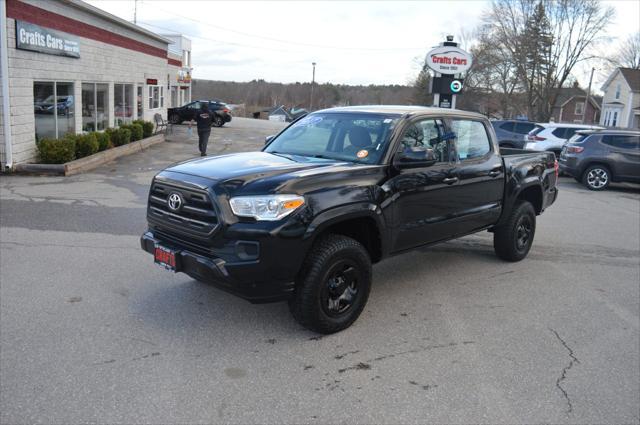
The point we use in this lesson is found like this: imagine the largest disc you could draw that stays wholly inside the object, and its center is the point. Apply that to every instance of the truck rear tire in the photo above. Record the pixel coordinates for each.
(333, 285)
(512, 240)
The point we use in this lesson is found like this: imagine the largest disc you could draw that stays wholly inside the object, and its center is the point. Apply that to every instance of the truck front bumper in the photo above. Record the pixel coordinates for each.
(245, 279)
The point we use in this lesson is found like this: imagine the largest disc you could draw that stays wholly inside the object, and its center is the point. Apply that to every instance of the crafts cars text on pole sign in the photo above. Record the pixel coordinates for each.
(448, 60)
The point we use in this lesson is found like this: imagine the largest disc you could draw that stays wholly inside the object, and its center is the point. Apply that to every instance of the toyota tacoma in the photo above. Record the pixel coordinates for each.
(304, 219)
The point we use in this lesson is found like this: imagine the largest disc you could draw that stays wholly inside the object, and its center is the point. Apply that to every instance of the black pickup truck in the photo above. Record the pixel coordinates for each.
(336, 191)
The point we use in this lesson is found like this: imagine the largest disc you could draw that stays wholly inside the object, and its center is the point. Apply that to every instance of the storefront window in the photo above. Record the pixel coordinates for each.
(156, 97)
(53, 107)
(140, 102)
(174, 96)
(94, 106)
(123, 103)
(45, 119)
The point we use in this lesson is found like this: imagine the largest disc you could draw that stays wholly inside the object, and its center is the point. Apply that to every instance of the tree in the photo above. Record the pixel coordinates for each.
(628, 56)
(543, 41)
(492, 75)
(421, 94)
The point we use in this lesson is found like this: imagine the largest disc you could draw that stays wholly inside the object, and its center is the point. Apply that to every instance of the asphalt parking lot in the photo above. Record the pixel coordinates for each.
(92, 331)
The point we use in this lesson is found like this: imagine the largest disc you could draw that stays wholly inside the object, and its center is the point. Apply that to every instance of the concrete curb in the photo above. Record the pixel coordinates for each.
(91, 162)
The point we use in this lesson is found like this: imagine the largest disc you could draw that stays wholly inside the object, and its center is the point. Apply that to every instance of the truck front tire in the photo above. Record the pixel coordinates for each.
(333, 285)
(512, 240)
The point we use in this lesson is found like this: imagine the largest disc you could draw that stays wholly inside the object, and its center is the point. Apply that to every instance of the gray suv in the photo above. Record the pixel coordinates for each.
(512, 133)
(598, 157)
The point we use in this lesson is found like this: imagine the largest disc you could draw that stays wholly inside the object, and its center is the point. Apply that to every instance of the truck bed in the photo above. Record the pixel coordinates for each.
(523, 167)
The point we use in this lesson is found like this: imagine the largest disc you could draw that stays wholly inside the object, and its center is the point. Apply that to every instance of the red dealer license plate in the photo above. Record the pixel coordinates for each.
(165, 257)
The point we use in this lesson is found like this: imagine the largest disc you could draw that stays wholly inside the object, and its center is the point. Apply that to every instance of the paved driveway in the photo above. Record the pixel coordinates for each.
(93, 331)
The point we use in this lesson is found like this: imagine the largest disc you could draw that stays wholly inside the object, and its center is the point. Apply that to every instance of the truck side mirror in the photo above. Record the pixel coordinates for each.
(415, 157)
(268, 139)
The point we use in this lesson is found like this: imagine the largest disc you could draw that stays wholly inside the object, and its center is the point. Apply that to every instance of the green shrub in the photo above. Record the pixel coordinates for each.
(57, 151)
(124, 134)
(137, 131)
(147, 128)
(86, 144)
(104, 142)
(114, 136)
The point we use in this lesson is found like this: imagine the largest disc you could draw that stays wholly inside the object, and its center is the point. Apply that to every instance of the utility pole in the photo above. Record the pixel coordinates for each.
(313, 80)
(586, 104)
(135, 11)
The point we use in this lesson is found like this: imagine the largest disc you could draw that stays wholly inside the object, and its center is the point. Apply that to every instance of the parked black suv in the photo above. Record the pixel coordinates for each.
(222, 113)
(512, 133)
(598, 157)
(336, 191)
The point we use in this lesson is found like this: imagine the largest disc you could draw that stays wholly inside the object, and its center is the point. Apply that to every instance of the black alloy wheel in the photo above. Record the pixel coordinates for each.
(333, 285)
(218, 121)
(524, 232)
(341, 287)
(512, 239)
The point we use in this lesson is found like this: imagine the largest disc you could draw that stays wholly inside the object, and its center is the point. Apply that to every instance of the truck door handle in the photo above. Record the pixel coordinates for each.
(494, 173)
(450, 180)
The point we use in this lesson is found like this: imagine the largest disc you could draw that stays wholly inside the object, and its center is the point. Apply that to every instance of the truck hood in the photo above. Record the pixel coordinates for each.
(262, 172)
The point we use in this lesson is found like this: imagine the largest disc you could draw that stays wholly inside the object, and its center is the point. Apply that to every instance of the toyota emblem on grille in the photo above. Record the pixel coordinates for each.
(174, 201)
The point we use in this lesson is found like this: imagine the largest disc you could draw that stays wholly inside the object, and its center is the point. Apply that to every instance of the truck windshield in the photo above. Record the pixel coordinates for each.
(354, 137)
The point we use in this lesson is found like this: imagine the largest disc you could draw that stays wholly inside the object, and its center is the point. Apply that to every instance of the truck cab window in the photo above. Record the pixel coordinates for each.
(427, 133)
(471, 139)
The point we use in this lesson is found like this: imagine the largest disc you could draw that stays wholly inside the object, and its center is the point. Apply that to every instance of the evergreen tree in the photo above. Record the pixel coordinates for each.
(422, 95)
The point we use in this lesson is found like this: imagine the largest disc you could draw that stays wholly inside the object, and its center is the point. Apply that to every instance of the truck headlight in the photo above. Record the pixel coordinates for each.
(268, 207)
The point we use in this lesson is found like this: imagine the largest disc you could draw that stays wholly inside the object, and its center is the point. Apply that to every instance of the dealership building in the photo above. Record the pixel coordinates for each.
(69, 67)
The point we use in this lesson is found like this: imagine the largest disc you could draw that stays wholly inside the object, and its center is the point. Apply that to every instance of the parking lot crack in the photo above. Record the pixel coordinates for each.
(565, 370)
(419, 349)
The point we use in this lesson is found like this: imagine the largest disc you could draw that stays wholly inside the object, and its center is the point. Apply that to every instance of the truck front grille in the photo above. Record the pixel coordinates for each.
(196, 215)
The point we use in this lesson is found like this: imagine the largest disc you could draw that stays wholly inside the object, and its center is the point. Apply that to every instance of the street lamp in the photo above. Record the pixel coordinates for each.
(313, 80)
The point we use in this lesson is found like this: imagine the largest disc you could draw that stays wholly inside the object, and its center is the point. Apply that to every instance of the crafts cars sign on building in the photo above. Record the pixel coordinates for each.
(44, 40)
(448, 60)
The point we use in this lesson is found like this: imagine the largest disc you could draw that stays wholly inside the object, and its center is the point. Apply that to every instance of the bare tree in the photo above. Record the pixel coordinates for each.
(492, 74)
(543, 40)
(628, 56)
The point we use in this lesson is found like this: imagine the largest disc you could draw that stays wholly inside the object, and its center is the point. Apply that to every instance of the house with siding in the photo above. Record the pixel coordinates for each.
(571, 106)
(621, 101)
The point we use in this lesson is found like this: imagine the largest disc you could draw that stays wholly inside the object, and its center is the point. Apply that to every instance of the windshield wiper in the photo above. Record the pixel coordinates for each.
(284, 155)
(323, 157)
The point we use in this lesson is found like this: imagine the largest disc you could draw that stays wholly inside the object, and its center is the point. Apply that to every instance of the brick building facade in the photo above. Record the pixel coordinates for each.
(106, 72)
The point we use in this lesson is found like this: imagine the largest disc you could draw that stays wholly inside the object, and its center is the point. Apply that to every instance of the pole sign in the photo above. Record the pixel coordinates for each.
(449, 60)
(446, 84)
(445, 101)
(44, 40)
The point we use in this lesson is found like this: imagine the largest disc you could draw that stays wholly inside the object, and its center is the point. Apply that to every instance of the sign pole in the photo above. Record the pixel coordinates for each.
(436, 96)
(454, 96)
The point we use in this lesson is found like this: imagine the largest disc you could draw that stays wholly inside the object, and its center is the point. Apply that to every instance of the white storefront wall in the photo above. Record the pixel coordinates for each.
(99, 62)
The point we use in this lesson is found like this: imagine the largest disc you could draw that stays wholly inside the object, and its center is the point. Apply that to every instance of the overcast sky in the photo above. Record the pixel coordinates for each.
(357, 42)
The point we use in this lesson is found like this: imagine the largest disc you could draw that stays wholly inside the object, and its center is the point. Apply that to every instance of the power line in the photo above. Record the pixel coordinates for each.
(217, 41)
(263, 37)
